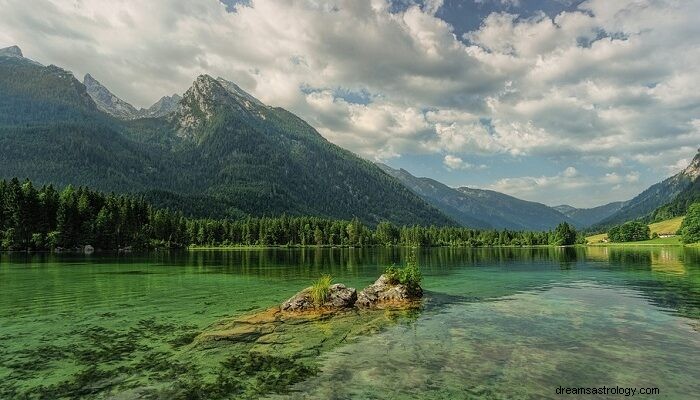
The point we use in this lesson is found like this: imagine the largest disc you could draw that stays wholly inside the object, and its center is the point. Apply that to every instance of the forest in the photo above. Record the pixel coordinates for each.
(46, 218)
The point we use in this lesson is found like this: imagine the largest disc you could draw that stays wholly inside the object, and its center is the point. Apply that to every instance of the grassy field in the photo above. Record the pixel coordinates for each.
(669, 226)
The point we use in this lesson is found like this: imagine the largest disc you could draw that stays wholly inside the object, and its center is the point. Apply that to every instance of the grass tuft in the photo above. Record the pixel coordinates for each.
(321, 289)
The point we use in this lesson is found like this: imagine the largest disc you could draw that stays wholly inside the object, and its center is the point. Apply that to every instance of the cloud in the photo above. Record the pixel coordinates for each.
(609, 81)
(456, 163)
(614, 162)
(615, 178)
(566, 186)
(526, 186)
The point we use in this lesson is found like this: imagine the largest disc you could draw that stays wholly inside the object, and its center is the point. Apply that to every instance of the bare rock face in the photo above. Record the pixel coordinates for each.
(383, 291)
(340, 297)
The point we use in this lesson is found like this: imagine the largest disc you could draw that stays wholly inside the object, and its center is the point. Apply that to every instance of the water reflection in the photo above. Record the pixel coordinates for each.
(495, 318)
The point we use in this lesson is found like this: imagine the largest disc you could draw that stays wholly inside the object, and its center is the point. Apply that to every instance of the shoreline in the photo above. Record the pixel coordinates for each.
(285, 247)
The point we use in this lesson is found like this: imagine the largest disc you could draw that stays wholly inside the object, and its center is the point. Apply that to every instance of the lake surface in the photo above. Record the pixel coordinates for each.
(495, 324)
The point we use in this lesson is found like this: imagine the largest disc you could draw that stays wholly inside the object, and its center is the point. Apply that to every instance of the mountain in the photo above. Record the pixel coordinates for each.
(691, 194)
(585, 217)
(220, 146)
(52, 131)
(481, 208)
(107, 101)
(270, 161)
(643, 205)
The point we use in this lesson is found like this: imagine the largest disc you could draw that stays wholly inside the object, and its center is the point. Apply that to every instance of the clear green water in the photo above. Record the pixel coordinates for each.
(496, 324)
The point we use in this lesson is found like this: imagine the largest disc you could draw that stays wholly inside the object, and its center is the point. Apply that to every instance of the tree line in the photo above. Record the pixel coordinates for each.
(45, 218)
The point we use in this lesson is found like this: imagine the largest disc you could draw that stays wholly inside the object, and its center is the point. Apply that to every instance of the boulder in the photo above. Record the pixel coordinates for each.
(340, 297)
(383, 292)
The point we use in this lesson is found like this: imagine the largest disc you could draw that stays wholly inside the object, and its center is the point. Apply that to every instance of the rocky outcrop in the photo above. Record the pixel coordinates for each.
(340, 297)
(384, 292)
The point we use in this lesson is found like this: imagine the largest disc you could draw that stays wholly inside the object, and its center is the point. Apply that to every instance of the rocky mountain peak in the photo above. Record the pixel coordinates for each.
(12, 51)
(693, 169)
(207, 96)
(107, 101)
(198, 105)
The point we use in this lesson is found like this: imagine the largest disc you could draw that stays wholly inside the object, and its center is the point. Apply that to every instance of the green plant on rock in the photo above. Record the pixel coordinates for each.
(408, 275)
(321, 289)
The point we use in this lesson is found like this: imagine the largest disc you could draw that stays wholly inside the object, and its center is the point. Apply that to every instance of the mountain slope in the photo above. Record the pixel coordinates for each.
(481, 208)
(656, 196)
(221, 145)
(691, 194)
(585, 217)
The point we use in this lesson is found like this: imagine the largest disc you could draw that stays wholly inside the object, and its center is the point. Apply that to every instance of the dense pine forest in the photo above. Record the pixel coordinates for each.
(45, 218)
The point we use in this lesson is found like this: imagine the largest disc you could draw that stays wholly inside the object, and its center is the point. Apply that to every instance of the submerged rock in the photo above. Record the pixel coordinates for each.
(385, 292)
(340, 297)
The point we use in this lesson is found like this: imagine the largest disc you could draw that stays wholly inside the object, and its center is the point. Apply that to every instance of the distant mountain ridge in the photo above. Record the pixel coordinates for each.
(218, 144)
(586, 217)
(480, 208)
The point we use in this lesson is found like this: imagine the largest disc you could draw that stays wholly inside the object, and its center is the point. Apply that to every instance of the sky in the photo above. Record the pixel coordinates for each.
(556, 101)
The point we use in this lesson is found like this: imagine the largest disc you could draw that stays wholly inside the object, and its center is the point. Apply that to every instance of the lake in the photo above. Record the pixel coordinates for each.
(495, 324)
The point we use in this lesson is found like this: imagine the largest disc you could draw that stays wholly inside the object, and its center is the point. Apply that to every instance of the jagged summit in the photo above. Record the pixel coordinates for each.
(14, 54)
(107, 101)
(12, 51)
(207, 96)
(162, 107)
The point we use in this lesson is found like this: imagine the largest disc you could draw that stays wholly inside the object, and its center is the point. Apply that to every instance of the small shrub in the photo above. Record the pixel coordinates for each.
(409, 275)
(321, 289)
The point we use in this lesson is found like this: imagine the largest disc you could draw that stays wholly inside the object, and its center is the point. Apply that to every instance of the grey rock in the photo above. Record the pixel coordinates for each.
(340, 297)
(107, 101)
(384, 291)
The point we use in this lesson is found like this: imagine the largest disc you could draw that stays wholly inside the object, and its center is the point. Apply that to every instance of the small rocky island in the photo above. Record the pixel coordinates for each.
(387, 291)
(398, 289)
